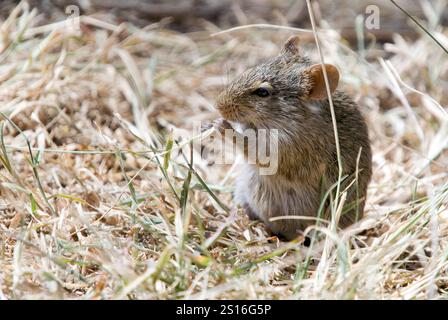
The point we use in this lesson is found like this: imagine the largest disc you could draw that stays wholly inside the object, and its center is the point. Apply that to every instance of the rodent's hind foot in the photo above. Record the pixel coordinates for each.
(279, 235)
(305, 241)
(288, 235)
(250, 213)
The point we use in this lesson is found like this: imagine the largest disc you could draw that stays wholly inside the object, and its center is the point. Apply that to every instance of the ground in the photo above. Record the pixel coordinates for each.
(97, 202)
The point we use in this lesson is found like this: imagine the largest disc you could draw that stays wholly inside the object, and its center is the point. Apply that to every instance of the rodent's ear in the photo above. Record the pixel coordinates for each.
(318, 89)
(291, 46)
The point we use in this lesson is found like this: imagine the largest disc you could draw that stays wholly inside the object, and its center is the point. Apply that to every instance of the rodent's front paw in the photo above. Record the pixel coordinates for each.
(219, 125)
(206, 126)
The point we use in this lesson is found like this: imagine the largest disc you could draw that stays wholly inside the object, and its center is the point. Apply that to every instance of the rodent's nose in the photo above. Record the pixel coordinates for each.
(226, 109)
(221, 106)
(221, 101)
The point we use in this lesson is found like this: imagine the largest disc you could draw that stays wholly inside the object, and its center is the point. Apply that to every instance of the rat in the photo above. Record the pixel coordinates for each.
(288, 93)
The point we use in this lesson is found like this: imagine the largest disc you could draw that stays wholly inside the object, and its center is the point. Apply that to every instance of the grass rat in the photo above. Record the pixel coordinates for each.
(288, 93)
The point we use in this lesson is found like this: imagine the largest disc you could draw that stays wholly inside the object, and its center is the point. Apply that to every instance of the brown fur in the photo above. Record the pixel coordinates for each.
(307, 152)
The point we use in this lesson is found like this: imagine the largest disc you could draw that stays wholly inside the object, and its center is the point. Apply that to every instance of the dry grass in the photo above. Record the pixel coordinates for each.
(97, 202)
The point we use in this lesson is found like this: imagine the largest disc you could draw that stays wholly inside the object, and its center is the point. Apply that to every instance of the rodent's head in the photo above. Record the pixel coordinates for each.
(276, 87)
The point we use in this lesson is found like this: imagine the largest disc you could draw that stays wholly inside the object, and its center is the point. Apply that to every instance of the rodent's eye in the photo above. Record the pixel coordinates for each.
(261, 92)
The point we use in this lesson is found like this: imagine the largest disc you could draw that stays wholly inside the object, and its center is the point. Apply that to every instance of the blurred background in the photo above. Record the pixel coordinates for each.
(192, 15)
